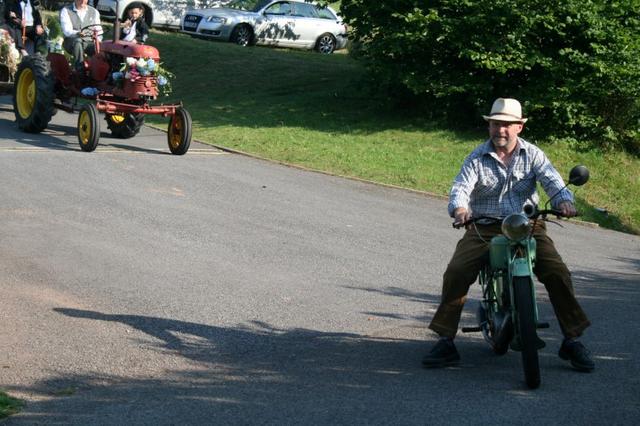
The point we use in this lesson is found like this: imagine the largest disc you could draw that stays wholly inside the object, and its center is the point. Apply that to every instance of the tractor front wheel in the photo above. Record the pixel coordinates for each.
(179, 134)
(33, 94)
(88, 128)
(124, 126)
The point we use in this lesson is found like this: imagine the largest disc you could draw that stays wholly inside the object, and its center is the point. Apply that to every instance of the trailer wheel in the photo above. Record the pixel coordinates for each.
(179, 134)
(33, 94)
(88, 128)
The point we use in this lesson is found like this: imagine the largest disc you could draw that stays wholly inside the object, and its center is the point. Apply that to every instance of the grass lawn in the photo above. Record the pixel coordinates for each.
(8, 405)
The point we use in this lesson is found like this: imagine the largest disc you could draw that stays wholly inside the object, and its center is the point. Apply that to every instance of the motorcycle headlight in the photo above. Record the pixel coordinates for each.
(516, 227)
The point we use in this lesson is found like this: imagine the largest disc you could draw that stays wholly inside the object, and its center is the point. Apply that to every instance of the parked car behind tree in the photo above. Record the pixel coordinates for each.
(291, 23)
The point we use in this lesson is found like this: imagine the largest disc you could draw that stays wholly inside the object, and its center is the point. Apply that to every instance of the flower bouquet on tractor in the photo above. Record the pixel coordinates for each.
(120, 80)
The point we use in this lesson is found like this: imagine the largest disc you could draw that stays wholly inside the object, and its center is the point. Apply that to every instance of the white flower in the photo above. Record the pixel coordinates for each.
(15, 54)
(141, 64)
(131, 61)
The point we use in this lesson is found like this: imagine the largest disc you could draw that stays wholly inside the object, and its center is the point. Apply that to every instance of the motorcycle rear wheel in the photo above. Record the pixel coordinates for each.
(527, 330)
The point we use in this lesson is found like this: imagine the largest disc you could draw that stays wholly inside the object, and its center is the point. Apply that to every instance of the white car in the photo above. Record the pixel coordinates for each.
(157, 13)
(291, 23)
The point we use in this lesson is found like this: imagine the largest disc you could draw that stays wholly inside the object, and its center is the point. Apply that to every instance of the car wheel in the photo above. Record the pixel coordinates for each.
(242, 35)
(326, 44)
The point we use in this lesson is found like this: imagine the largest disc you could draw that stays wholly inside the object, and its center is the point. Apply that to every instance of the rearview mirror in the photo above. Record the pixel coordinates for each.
(579, 175)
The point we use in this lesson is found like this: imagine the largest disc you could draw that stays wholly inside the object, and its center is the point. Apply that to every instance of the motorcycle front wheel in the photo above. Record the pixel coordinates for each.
(527, 330)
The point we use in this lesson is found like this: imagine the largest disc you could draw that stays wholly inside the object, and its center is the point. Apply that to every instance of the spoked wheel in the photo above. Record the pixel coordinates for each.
(125, 125)
(326, 44)
(242, 35)
(496, 328)
(88, 128)
(527, 330)
(33, 94)
(179, 134)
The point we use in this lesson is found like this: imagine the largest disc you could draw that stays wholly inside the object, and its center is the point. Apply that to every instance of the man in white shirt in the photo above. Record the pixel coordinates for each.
(73, 19)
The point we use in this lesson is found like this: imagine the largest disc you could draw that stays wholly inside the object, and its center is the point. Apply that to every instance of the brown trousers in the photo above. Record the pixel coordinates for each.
(471, 254)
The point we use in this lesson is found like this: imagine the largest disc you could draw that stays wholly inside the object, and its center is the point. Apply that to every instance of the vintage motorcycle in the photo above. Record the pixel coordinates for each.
(508, 315)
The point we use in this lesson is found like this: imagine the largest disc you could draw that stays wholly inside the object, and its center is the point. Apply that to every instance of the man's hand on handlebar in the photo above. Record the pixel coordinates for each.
(568, 209)
(460, 216)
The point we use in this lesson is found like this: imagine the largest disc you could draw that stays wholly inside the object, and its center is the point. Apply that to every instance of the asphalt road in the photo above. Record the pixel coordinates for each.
(139, 287)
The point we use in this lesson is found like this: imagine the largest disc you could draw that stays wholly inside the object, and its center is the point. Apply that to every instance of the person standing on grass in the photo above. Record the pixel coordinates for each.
(498, 179)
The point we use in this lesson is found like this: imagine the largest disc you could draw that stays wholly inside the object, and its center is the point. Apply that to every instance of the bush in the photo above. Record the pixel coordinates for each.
(575, 64)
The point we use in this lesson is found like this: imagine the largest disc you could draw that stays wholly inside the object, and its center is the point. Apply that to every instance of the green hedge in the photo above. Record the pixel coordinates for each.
(575, 64)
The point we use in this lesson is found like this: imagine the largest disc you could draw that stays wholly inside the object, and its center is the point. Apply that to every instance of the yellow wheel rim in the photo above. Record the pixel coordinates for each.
(84, 127)
(116, 118)
(26, 93)
(176, 132)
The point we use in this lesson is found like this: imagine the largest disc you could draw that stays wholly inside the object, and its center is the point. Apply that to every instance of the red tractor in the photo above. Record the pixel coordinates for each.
(43, 85)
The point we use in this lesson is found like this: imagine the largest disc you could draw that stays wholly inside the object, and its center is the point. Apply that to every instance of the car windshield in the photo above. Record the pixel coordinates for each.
(251, 5)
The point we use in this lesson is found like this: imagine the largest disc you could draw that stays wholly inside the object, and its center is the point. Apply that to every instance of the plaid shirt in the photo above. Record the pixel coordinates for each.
(487, 188)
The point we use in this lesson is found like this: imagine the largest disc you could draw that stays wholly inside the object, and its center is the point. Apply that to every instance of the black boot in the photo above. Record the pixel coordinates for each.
(574, 351)
(444, 353)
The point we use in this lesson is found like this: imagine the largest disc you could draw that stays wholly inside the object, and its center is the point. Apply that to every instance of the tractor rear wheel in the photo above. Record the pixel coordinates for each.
(179, 133)
(88, 127)
(33, 94)
(124, 126)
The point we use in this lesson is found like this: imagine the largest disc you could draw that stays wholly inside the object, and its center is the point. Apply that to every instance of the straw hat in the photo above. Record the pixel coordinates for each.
(506, 109)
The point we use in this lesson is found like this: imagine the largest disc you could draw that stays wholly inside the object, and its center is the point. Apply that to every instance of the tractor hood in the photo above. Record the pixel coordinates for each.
(128, 49)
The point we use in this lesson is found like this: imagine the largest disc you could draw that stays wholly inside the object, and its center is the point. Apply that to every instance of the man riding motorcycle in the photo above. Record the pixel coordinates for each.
(497, 179)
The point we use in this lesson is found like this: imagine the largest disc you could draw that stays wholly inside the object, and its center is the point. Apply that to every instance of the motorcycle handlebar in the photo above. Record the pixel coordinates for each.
(489, 219)
(535, 213)
(530, 211)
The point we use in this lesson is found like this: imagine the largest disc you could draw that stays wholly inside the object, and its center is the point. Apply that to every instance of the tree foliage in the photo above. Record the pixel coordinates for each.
(575, 64)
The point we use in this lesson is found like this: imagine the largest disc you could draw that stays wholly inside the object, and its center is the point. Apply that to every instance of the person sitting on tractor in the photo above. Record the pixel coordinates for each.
(21, 14)
(73, 18)
(135, 28)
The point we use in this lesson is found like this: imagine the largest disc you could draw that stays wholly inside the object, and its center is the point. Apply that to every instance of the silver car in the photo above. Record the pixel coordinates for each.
(291, 23)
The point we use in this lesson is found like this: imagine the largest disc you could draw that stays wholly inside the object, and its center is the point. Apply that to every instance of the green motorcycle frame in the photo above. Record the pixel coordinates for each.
(508, 314)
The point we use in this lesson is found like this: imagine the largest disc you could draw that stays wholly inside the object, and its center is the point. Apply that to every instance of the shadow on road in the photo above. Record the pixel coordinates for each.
(49, 140)
(41, 140)
(260, 374)
(404, 294)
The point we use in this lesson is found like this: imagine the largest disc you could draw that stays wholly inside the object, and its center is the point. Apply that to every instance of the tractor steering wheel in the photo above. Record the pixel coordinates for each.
(84, 31)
